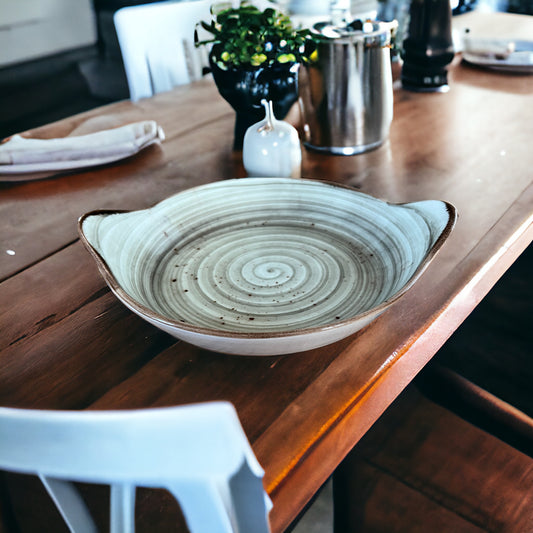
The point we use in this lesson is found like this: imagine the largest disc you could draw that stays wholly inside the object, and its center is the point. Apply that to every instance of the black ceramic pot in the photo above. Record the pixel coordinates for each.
(244, 88)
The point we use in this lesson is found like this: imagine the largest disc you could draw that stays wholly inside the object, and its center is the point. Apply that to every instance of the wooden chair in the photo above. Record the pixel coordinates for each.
(157, 45)
(454, 452)
(199, 453)
(423, 469)
(484, 372)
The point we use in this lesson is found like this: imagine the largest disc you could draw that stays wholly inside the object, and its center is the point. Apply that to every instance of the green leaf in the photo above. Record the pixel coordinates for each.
(254, 37)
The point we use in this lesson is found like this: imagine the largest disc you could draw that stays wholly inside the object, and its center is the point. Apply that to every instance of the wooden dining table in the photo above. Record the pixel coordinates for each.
(67, 343)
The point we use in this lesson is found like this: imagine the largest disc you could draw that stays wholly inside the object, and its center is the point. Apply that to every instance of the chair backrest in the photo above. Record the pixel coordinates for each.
(157, 45)
(199, 453)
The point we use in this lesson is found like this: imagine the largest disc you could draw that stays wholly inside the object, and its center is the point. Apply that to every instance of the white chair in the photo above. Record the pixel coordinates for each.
(157, 45)
(199, 453)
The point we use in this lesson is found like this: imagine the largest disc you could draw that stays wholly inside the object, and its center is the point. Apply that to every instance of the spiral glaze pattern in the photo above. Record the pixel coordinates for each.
(265, 256)
(278, 277)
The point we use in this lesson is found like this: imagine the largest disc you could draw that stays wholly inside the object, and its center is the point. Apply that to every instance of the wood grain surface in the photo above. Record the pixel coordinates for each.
(67, 343)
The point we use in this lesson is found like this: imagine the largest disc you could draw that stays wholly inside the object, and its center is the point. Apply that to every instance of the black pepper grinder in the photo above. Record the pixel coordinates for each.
(428, 47)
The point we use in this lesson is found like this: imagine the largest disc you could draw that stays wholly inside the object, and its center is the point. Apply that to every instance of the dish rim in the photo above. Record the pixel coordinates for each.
(150, 314)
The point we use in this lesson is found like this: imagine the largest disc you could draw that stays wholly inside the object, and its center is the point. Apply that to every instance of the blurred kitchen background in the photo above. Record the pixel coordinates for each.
(61, 57)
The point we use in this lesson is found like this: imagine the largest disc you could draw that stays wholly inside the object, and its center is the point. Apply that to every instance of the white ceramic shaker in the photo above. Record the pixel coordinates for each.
(271, 148)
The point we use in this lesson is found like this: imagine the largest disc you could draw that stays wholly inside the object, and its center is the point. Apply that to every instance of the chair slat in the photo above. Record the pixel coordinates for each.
(69, 504)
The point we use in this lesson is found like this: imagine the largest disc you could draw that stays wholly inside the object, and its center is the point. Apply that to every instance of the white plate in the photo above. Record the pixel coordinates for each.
(519, 62)
(502, 41)
(508, 64)
(265, 266)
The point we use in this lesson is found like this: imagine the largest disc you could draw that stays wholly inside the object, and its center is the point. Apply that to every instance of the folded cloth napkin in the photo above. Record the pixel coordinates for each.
(103, 145)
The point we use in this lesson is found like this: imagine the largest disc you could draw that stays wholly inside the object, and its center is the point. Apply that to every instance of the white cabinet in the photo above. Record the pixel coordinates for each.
(30, 29)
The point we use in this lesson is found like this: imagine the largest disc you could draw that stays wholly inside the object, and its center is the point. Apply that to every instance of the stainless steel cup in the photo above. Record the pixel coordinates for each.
(345, 93)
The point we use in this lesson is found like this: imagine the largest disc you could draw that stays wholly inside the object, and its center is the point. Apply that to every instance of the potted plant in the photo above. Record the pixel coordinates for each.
(255, 55)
